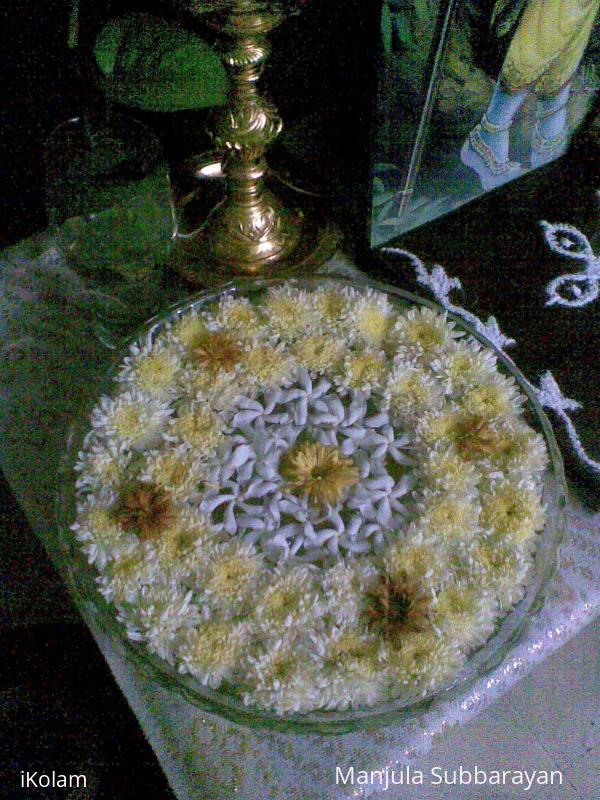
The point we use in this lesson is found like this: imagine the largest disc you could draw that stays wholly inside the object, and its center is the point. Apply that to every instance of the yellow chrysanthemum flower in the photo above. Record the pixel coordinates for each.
(513, 511)
(189, 330)
(492, 399)
(319, 353)
(155, 373)
(266, 365)
(318, 471)
(200, 427)
(450, 516)
(366, 370)
(415, 561)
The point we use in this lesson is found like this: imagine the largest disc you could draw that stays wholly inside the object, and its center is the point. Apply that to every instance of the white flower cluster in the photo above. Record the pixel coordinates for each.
(247, 496)
(320, 497)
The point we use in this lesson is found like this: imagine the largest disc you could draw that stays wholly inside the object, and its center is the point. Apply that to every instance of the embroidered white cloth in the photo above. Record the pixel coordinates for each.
(54, 343)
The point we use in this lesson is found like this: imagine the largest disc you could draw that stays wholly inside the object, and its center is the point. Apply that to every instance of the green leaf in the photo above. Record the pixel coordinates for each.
(156, 65)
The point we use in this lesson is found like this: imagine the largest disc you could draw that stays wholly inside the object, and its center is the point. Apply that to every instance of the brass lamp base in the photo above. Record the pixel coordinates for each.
(303, 244)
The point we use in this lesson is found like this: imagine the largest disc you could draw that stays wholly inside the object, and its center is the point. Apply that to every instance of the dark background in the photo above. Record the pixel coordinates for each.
(59, 706)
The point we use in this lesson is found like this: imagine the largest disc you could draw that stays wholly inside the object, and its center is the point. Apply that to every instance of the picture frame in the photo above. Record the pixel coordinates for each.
(472, 95)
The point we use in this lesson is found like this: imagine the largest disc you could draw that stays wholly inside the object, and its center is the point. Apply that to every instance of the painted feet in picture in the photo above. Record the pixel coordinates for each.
(480, 157)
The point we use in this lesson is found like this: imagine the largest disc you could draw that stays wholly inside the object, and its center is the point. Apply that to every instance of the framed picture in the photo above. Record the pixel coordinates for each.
(473, 94)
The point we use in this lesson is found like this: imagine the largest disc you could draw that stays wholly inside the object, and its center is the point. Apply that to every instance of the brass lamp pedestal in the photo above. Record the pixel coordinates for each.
(250, 232)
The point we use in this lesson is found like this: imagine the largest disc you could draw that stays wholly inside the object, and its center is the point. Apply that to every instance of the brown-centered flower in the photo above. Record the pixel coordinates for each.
(475, 436)
(318, 471)
(144, 509)
(397, 606)
(217, 351)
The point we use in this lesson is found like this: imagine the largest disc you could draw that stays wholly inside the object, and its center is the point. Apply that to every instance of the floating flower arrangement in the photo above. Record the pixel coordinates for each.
(321, 499)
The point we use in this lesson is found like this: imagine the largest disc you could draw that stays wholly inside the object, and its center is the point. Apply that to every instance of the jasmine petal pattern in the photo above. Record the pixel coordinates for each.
(247, 496)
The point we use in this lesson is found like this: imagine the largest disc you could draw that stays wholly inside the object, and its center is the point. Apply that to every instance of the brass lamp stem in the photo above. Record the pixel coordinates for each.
(250, 232)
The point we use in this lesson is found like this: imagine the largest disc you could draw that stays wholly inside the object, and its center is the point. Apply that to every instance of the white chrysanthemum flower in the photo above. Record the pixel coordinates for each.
(103, 539)
(464, 366)
(211, 651)
(365, 370)
(152, 367)
(445, 471)
(289, 312)
(523, 454)
(290, 602)
(229, 578)
(216, 391)
(344, 586)
(369, 317)
(178, 471)
(319, 354)
(266, 365)
(162, 616)
(411, 391)
(496, 397)
(102, 464)
(132, 418)
(185, 541)
(124, 578)
(448, 517)
(423, 563)
(238, 313)
(423, 662)
(464, 615)
(351, 668)
(282, 677)
(197, 426)
(513, 512)
(423, 334)
(501, 569)
(331, 303)
(189, 328)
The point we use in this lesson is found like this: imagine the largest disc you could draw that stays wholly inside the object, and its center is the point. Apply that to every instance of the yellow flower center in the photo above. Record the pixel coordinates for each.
(127, 421)
(265, 363)
(199, 428)
(156, 372)
(190, 331)
(365, 368)
(318, 471)
(372, 324)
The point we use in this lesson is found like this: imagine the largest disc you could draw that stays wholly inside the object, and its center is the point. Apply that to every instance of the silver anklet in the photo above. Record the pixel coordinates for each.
(491, 127)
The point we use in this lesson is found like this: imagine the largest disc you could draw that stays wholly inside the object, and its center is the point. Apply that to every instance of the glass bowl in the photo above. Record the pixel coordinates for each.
(81, 576)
